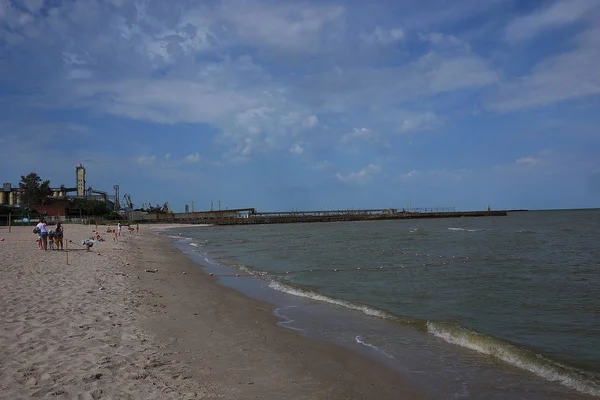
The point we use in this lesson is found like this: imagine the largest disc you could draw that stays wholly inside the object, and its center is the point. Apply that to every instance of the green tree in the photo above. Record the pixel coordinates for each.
(34, 190)
(90, 206)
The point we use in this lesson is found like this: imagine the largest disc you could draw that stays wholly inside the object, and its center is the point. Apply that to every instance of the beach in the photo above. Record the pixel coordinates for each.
(138, 319)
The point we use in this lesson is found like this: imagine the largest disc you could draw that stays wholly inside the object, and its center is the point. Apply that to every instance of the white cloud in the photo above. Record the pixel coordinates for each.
(297, 149)
(149, 63)
(528, 160)
(569, 75)
(441, 40)
(145, 160)
(165, 101)
(284, 26)
(357, 134)
(433, 176)
(192, 158)
(384, 36)
(311, 121)
(418, 122)
(70, 58)
(361, 177)
(429, 75)
(556, 15)
(410, 175)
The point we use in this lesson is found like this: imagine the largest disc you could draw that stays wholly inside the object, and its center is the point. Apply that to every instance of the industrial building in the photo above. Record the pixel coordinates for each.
(12, 195)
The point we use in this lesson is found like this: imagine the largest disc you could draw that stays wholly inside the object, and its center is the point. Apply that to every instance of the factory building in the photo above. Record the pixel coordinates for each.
(12, 196)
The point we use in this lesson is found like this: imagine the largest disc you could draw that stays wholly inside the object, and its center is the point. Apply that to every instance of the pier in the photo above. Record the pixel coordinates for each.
(249, 216)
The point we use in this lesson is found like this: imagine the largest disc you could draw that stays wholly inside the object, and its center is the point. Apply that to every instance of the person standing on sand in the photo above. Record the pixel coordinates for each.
(137, 228)
(58, 234)
(43, 233)
(115, 238)
(119, 228)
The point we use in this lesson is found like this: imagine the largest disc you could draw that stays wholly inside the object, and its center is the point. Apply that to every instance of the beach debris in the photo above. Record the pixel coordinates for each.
(211, 274)
(127, 264)
(184, 272)
(98, 253)
(101, 287)
(151, 270)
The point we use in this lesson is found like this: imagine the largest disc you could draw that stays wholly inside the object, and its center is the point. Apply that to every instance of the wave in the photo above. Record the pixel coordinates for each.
(582, 381)
(194, 244)
(179, 237)
(281, 287)
(516, 356)
(286, 320)
(360, 340)
(527, 232)
(466, 230)
(553, 371)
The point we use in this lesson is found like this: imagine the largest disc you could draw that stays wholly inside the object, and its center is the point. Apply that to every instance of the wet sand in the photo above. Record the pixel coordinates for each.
(104, 327)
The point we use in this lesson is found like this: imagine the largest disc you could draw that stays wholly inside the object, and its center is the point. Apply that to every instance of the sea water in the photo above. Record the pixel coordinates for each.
(492, 307)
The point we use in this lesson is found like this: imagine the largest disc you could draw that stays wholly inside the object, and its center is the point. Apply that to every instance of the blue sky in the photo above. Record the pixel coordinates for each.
(306, 104)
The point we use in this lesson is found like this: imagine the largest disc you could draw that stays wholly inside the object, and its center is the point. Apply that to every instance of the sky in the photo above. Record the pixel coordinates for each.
(324, 104)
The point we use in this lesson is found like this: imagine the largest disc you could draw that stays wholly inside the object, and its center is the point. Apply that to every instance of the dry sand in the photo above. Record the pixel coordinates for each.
(103, 327)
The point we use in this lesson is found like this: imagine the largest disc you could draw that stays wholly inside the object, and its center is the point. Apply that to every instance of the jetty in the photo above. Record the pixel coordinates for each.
(249, 216)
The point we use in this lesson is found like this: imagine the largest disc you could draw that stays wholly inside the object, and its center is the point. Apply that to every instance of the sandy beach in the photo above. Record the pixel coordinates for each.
(102, 326)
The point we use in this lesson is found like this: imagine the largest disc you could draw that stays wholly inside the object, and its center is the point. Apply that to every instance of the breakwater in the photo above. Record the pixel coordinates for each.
(249, 216)
(290, 218)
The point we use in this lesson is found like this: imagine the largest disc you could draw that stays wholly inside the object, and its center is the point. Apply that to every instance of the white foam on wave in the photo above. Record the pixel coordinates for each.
(286, 320)
(515, 356)
(465, 229)
(325, 299)
(245, 269)
(208, 260)
(194, 244)
(182, 238)
(360, 340)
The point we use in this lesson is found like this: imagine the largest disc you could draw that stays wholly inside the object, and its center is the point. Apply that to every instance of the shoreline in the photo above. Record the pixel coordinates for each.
(101, 326)
(280, 363)
(304, 312)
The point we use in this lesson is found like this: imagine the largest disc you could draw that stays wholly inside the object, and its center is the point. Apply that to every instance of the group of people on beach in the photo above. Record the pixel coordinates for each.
(52, 238)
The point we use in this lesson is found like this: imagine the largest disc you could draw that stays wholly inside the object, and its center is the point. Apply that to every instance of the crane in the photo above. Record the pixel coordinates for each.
(127, 201)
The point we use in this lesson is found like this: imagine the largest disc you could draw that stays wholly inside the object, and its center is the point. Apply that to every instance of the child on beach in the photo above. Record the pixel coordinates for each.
(58, 236)
(115, 238)
(87, 243)
(119, 228)
(51, 239)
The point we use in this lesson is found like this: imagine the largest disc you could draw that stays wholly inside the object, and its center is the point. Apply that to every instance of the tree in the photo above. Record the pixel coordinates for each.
(90, 206)
(34, 190)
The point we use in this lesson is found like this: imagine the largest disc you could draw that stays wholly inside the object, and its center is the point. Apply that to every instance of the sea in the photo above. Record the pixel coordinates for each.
(463, 308)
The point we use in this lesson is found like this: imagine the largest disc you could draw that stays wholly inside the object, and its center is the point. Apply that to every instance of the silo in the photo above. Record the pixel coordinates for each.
(80, 172)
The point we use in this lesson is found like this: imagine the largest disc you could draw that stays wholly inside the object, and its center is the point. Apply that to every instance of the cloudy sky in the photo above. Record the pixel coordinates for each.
(306, 104)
